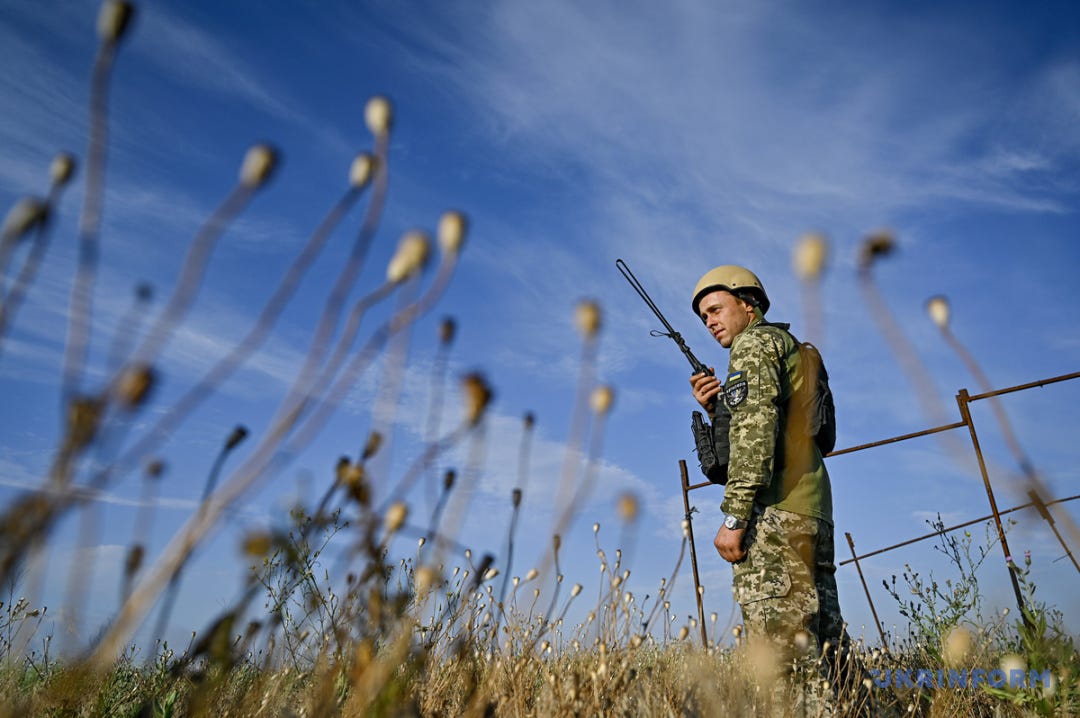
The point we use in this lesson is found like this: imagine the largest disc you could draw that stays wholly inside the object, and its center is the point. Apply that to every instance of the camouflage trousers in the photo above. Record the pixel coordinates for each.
(786, 587)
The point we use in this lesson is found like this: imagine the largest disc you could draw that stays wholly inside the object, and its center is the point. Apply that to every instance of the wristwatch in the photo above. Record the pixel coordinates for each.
(733, 524)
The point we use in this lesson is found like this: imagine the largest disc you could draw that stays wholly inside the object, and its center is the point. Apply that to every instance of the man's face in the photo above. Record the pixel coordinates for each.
(725, 315)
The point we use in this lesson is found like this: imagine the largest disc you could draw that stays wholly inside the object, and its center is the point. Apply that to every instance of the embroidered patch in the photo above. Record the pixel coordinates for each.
(735, 391)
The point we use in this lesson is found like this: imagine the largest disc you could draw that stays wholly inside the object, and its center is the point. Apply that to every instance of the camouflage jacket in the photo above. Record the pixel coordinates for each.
(773, 459)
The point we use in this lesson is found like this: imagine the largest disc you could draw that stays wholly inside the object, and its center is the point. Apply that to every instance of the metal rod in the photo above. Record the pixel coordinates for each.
(1022, 387)
(962, 399)
(1041, 506)
(1029, 504)
(693, 551)
(902, 437)
(893, 440)
(851, 545)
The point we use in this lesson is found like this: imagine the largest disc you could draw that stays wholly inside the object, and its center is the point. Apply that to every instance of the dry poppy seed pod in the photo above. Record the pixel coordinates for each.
(373, 444)
(425, 579)
(395, 516)
(587, 318)
(958, 644)
(135, 384)
(259, 163)
(355, 480)
(155, 469)
(258, 544)
(341, 469)
(411, 256)
(27, 213)
(239, 433)
(447, 330)
(134, 559)
(601, 399)
(628, 507)
(1012, 663)
(361, 170)
(810, 256)
(62, 169)
(451, 231)
(378, 115)
(477, 395)
(938, 309)
(114, 20)
(877, 244)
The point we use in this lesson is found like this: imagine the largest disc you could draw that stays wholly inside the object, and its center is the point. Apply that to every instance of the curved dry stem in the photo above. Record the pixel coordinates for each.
(82, 289)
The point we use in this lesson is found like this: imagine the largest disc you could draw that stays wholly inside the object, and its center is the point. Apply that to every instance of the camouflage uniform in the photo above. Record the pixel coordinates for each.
(777, 480)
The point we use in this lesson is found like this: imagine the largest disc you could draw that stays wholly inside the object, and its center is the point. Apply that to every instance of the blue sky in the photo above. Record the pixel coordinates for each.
(677, 138)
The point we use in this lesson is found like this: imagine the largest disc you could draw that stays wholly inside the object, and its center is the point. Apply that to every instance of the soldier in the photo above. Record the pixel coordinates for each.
(777, 531)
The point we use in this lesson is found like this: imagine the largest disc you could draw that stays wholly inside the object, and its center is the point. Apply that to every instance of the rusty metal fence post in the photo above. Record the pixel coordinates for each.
(693, 551)
(965, 413)
(866, 590)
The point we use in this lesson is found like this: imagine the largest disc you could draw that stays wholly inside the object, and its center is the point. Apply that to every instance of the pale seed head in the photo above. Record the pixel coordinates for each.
(62, 169)
(362, 169)
(411, 256)
(395, 516)
(114, 20)
(425, 579)
(601, 399)
(451, 231)
(259, 163)
(938, 309)
(587, 318)
(810, 256)
(958, 643)
(1012, 662)
(379, 115)
(27, 213)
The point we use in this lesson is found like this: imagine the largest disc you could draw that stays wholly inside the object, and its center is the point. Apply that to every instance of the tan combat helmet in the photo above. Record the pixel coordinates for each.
(740, 281)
